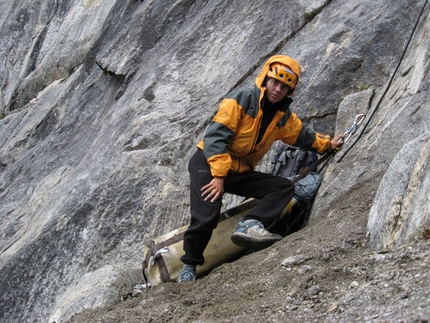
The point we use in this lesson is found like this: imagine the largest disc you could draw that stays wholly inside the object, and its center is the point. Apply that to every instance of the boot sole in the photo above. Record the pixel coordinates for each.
(185, 281)
(247, 241)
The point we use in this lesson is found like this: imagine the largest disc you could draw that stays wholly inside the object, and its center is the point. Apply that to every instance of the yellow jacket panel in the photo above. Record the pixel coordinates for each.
(230, 140)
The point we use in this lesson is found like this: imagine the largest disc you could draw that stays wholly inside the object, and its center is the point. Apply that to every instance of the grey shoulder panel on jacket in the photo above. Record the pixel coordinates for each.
(247, 98)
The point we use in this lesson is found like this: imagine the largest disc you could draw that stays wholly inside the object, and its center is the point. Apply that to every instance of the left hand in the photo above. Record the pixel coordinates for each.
(337, 141)
(212, 191)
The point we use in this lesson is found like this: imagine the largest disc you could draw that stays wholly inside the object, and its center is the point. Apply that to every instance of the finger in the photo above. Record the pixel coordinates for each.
(208, 193)
(206, 187)
(211, 197)
(216, 196)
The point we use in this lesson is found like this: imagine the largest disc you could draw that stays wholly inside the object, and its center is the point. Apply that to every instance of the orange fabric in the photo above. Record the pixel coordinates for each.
(290, 62)
(242, 154)
(321, 143)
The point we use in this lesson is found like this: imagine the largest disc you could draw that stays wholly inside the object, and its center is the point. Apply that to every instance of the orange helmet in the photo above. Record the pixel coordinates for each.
(283, 74)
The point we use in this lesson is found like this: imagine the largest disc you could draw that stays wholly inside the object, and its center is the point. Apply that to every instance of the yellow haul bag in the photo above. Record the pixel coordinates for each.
(162, 254)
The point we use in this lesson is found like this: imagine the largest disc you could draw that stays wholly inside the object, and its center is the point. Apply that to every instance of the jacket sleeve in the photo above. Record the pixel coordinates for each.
(296, 134)
(219, 134)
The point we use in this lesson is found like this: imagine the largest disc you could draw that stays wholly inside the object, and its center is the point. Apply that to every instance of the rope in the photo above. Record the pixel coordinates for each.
(388, 86)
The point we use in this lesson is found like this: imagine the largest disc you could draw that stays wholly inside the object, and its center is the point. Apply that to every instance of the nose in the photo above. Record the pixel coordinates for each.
(279, 87)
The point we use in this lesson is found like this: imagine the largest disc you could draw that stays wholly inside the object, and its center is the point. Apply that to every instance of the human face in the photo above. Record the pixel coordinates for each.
(276, 90)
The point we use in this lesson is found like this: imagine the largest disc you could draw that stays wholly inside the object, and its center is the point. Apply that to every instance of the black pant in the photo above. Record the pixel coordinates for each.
(273, 192)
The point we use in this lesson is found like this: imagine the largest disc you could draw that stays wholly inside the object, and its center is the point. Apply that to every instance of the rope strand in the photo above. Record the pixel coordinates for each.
(388, 85)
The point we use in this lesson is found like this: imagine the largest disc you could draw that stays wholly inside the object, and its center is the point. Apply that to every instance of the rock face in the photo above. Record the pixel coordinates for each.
(401, 206)
(104, 101)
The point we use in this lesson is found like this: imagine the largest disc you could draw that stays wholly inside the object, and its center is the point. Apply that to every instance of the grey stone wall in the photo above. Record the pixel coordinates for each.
(104, 101)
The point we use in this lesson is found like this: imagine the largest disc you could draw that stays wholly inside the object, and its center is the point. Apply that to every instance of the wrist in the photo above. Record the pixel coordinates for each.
(330, 148)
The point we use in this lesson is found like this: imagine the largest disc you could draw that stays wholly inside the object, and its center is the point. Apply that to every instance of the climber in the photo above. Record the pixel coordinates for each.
(247, 123)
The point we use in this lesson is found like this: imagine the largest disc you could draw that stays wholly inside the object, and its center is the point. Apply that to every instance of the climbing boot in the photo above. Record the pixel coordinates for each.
(252, 234)
(187, 275)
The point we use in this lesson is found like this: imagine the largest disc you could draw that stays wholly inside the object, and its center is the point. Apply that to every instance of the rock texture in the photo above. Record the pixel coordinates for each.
(401, 206)
(102, 103)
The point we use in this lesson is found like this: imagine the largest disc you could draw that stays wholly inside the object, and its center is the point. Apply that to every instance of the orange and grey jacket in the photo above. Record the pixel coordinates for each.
(230, 140)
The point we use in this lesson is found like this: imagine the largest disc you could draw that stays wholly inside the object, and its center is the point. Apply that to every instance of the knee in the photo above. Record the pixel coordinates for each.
(284, 185)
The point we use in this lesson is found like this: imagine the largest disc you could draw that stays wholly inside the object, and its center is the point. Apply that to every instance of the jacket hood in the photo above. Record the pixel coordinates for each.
(286, 60)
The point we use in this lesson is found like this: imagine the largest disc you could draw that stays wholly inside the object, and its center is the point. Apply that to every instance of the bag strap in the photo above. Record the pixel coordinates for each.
(300, 155)
(281, 160)
(314, 166)
(152, 252)
(309, 169)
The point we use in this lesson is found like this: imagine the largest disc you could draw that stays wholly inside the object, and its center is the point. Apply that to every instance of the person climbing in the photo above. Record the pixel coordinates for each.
(248, 122)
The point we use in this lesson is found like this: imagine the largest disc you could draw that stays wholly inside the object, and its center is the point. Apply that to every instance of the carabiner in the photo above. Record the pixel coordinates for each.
(358, 119)
(157, 255)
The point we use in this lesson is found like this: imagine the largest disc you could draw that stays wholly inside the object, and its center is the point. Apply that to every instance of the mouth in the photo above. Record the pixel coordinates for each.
(274, 97)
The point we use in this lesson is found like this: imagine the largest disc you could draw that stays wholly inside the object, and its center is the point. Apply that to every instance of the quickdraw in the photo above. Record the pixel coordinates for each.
(351, 131)
(358, 119)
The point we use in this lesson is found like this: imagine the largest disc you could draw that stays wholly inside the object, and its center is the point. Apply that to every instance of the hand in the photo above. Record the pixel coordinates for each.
(213, 190)
(336, 142)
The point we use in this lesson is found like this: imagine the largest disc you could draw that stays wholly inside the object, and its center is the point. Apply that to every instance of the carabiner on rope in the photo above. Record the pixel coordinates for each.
(358, 119)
